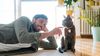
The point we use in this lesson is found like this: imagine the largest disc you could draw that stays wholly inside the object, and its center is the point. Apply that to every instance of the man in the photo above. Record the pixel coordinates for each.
(22, 33)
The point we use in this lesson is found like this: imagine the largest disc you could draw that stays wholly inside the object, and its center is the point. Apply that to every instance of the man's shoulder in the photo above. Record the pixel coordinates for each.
(24, 18)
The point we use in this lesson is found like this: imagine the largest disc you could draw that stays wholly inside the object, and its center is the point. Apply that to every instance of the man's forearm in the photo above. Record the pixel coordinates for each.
(45, 35)
(51, 33)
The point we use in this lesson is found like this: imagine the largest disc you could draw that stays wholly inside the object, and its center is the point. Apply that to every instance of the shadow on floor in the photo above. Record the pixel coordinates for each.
(17, 52)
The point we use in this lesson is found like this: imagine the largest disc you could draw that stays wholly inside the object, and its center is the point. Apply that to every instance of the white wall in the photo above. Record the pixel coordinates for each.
(76, 18)
(29, 9)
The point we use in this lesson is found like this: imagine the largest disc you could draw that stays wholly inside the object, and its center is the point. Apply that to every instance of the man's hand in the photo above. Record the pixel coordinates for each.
(44, 28)
(56, 31)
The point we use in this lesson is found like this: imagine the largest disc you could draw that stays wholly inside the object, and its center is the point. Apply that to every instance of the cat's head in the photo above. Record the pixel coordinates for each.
(67, 22)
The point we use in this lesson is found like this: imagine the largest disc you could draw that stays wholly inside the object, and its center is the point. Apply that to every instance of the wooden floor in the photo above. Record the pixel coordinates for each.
(84, 47)
(49, 53)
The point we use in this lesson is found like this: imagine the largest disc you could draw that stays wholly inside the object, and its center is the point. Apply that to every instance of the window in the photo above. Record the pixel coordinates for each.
(6, 11)
(49, 8)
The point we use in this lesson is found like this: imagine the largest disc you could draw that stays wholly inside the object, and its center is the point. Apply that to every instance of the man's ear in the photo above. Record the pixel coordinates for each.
(33, 20)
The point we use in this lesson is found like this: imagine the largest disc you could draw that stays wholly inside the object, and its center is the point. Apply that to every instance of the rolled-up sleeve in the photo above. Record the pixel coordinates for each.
(21, 29)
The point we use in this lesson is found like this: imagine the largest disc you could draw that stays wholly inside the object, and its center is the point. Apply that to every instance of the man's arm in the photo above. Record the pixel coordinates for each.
(50, 33)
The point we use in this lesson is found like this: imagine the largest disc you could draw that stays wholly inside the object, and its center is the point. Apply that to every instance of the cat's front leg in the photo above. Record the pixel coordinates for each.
(73, 46)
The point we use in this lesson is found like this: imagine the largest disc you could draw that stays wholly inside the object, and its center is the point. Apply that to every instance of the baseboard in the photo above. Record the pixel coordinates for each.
(78, 36)
(86, 36)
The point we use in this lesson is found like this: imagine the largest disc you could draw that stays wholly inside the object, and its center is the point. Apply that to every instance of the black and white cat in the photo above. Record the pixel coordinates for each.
(68, 40)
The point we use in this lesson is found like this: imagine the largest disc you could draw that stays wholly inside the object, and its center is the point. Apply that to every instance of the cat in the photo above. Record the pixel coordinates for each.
(68, 40)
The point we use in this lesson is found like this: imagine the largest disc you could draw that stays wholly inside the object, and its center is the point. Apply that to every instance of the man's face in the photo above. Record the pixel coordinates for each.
(40, 23)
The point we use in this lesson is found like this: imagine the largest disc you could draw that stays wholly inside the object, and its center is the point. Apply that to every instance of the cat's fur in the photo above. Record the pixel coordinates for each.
(68, 41)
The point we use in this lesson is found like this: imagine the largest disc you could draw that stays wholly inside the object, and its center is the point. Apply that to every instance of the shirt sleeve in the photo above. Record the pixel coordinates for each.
(21, 29)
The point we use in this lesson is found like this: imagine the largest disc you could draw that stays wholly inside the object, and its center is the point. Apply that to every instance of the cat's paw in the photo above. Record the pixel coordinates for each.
(61, 50)
(73, 50)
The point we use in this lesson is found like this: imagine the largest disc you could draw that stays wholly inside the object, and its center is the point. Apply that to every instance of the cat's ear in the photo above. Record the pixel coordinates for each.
(69, 17)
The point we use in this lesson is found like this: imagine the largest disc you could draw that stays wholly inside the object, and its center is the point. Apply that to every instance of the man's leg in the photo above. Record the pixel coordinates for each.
(48, 45)
(10, 47)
